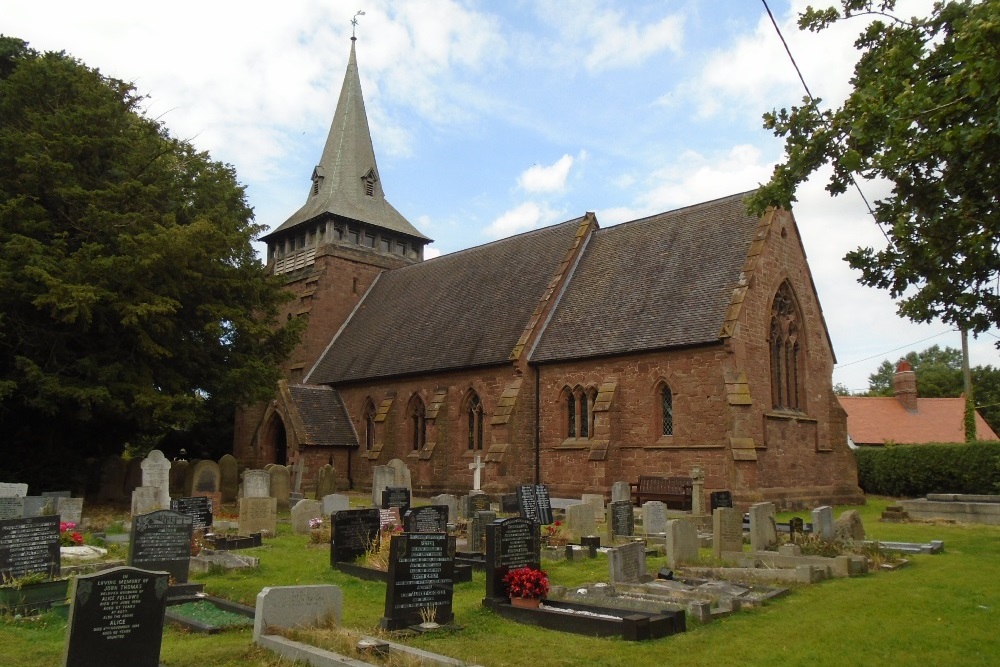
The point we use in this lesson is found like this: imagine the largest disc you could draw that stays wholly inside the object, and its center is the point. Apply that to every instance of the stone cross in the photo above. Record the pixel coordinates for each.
(476, 468)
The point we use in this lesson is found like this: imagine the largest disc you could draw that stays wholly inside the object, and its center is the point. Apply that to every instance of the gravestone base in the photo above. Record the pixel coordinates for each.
(558, 615)
(188, 592)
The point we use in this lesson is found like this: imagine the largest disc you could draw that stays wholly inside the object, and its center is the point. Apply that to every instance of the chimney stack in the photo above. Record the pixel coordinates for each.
(904, 385)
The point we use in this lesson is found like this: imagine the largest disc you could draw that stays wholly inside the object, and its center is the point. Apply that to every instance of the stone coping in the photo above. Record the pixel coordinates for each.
(317, 657)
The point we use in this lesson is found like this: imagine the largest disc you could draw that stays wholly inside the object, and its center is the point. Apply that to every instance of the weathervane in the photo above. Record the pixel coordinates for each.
(354, 22)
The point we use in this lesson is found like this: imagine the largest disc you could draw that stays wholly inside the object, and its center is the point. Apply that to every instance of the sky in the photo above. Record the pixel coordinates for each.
(493, 118)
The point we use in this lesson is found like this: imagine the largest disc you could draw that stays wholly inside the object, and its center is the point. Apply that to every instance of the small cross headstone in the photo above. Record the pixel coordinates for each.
(421, 576)
(116, 618)
(510, 544)
(161, 541)
(353, 533)
(476, 467)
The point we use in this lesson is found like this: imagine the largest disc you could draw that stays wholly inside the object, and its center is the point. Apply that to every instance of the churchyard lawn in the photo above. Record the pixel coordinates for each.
(940, 609)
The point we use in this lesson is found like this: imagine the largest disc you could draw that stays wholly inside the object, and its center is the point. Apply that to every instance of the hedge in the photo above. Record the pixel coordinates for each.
(916, 470)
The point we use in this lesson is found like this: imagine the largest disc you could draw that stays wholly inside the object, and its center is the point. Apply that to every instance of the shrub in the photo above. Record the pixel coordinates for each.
(916, 470)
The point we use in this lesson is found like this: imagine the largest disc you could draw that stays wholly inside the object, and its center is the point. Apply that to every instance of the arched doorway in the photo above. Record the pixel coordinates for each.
(274, 444)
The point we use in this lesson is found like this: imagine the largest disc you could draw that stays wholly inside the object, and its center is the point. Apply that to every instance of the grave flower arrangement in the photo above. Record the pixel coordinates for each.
(556, 534)
(527, 582)
(67, 536)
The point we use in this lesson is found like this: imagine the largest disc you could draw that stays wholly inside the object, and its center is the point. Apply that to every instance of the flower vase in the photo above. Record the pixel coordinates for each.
(525, 603)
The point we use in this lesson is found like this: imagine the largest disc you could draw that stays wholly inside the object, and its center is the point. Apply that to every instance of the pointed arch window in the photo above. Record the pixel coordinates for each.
(474, 413)
(786, 351)
(418, 423)
(666, 410)
(579, 412)
(369, 419)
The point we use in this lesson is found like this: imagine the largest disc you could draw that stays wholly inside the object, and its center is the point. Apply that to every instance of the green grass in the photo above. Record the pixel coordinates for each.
(940, 610)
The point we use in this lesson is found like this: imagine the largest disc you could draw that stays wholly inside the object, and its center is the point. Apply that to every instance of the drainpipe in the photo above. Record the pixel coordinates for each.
(350, 480)
(538, 438)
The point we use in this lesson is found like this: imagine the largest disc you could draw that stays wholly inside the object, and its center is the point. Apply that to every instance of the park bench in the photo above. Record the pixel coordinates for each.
(675, 492)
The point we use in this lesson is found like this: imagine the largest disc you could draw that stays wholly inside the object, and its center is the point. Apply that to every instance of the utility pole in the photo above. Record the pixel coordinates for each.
(970, 403)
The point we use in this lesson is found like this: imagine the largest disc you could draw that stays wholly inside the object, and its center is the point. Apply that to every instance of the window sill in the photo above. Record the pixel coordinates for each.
(789, 415)
(472, 453)
(574, 443)
(668, 442)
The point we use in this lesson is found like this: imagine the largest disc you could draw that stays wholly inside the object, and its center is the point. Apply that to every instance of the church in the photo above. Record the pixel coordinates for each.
(572, 355)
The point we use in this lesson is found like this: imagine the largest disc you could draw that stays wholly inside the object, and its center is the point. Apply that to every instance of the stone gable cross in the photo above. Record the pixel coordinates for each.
(476, 468)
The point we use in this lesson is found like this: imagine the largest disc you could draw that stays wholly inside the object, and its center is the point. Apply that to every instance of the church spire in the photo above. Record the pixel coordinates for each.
(346, 181)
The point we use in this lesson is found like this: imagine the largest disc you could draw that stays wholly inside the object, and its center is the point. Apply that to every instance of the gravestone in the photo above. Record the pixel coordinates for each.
(303, 511)
(621, 519)
(620, 492)
(13, 490)
(426, 519)
(654, 517)
(382, 478)
(682, 543)
(295, 607)
(145, 499)
(396, 496)
(335, 502)
(533, 502)
(156, 474)
(627, 563)
(727, 531)
(280, 486)
(401, 474)
(116, 618)
(477, 466)
(258, 515)
(205, 478)
(421, 579)
(326, 481)
(70, 510)
(256, 484)
(178, 473)
(595, 500)
(389, 519)
(720, 499)
(353, 533)
(479, 502)
(849, 526)
(697, 491)
(822, 520)
(11, 507)
(580, 520)
(229, 478)
(510, 544)
(161, 541)
(29, 545)
(39, 506)
(112, 481)
(449, 501)
(199, 508)
(763, 531)
(477, 530)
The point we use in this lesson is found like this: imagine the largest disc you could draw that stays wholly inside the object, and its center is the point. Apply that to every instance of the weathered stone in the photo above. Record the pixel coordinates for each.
(451, 502)
(822, 521)
(229, 478)
(156, 475)
(335, 502)
(654, 517)
(291, 607)
(595, 500)
(621, 491)
(580, 520)
(280, 486)
(303, 511)
(727, 530)
(682, 543)
(256, 484)
(627, 563)
(849, 526)
(763, 531)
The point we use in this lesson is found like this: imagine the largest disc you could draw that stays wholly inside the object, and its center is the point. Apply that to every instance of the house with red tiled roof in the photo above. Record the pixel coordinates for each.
(906, 419)
(573, 355)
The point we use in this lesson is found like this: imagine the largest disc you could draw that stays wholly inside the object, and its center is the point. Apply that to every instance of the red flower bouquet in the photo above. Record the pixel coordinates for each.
(526, 582)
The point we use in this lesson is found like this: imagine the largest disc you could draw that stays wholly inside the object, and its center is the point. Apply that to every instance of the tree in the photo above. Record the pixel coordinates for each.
(133, 303)
(939, 373)
(922, 114)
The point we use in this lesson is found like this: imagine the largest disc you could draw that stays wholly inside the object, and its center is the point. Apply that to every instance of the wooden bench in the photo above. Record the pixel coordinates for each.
(675, 492)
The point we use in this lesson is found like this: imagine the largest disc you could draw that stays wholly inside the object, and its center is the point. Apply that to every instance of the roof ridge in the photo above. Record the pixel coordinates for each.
(682, 209)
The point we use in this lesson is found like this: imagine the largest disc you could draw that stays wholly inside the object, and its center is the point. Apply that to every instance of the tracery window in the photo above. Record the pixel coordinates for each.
(666, 410)
(785, 341)
(474, 411)
(579, 413)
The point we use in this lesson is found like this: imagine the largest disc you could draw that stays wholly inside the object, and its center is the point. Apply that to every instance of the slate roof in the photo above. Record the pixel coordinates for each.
(659, 282)
(323, 415)
(877, 420)
(347, 158)
(460, 310)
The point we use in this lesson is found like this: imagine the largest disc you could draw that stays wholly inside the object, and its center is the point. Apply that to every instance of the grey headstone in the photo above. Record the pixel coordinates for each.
(654, 517)
(39, 506)
(70, 509)
(401, 474)
(763, 530)
(697, 491)
(258, 515)
(627, 563)
(229, 478)
(205, 478)
(822, 520)
(682, 543)
(256, 484)
(156, 474)
(326, 481)
(595, 500)
(727, 530)
(382, 478)
(303, 511)
(335, 502)
(451, 502)
(145, 499)
(281, 486)
(620, 492)
(291, 607)
(580, 520)
(12, 490)
(11, 507)
(849, 526)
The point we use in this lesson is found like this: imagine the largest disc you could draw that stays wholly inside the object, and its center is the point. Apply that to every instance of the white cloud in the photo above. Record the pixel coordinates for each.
(551, 178)
(521, 218)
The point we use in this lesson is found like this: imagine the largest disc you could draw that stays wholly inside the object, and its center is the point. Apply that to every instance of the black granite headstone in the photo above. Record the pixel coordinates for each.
(534, 503)
(396, 496)
(161, 540)
(478, 502)
(622, 517)
(544, 504)
(352, 533)
(426, 519)
(199, 508)
(510, 544)
(720, 499)
(421, 577)
(29, 545)
(116, 618)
